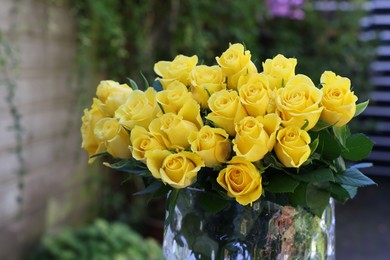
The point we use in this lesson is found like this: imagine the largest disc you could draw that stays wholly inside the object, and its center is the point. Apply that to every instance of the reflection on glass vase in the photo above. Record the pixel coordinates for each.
(264, 231)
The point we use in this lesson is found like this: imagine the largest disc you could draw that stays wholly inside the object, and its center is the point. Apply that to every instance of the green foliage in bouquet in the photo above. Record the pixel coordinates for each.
(233, 132)
(100, 240)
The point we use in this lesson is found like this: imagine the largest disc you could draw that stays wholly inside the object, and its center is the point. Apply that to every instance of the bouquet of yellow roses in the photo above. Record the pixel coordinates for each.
(233, 132)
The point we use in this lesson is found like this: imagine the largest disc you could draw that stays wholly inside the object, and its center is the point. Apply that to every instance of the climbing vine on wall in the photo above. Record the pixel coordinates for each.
(8, 68)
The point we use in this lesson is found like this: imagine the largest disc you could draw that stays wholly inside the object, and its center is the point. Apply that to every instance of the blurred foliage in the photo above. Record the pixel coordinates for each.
(99, 241)
(323, 40)
(121, 38)
(119, 203)
(126, 37)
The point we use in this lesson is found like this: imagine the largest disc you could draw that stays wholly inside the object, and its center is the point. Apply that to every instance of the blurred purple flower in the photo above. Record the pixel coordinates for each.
(292, 9)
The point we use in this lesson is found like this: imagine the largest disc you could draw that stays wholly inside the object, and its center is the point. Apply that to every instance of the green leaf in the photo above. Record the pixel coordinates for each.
(339, 193)
(328, 146)
(129, 166)
(319, 175)
(133, 84)
(157, 85)
(353, 177)
(313, 145)
(360, 108)
(298, 197)
(341, 133)
(155, 186)
(212, 202)
(317, 199)
(99, 154)
(361, 165)
(357, 147)
(162, 191)
(146, 83)
(321, 125)
(270, 160)
(351, 190)
(171, 203)
(280, 183)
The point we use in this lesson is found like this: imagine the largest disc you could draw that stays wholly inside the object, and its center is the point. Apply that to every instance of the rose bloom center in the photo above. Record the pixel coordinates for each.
(222, 101)
(145, 144)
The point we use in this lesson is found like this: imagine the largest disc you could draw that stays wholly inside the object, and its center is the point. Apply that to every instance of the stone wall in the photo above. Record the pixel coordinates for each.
(49, 172)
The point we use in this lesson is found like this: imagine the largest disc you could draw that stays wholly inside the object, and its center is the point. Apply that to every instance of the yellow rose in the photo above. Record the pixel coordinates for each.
(89, 142)
(255, 136)
(299, 102)
(253, 91)
(178, 69)
(205, 81)
(142, 141)
(233, 80)
(173, 130)
(292, 146)
(178, 170)
(139, 109)
(235, 61)
(211, 144)
(338, 100)
(114, 137)
(227, 110)
(173, 98)
(112, 95)
(242, 181)
(279, 70)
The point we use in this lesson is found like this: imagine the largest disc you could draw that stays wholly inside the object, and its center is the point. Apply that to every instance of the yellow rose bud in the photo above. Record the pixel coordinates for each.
(143, 141)
(338, 100)
(236, 61)
(299, 102)
(292, 146)
(173, 98)
(233, 80)
(139, 109)
(227, 110)
(279, 70)
(242, 181)
(253, 91)
(256, 136)
(112, 95)
(173, 130)
(191, 112)
(211, 144)
(178, 170)
(178, 69)
(89, 142)
(114, 137)
(205, 81)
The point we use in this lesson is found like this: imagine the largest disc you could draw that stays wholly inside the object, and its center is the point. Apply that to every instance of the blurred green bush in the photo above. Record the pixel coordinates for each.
(127, 37)
(99, 241)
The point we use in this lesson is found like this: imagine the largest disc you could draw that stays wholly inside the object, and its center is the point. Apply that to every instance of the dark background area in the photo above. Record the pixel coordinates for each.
(363, 224)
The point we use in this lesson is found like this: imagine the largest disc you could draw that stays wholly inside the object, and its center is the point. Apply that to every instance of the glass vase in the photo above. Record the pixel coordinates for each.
(264, 231)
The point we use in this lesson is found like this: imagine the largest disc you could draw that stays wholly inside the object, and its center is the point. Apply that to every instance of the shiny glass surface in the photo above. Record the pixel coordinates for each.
(264, 231)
